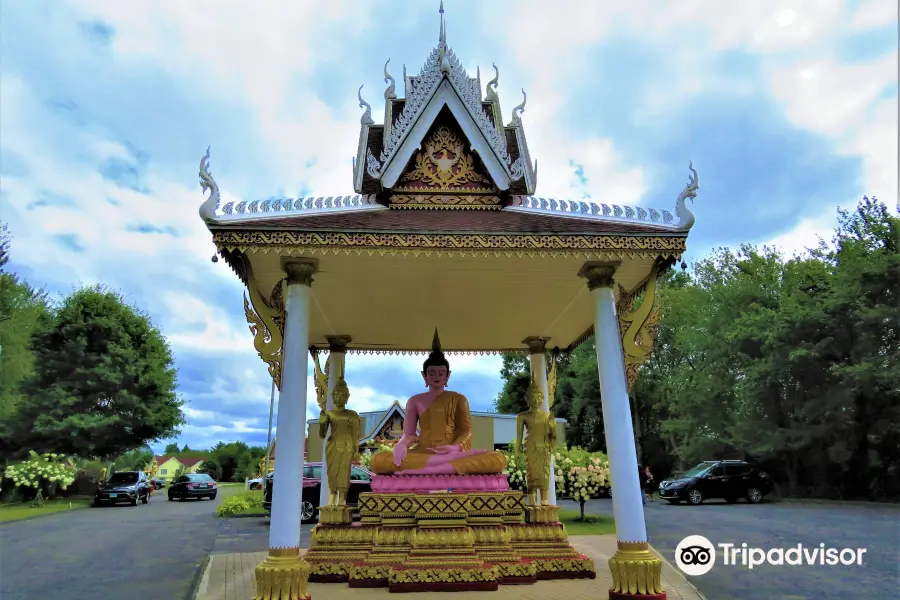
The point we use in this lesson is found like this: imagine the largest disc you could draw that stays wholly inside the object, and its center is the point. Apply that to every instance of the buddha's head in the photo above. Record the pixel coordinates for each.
(436, 368)
(341, 394)
(534, 396)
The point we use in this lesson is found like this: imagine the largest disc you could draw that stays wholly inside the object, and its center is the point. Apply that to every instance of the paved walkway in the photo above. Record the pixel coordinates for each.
(231, 577)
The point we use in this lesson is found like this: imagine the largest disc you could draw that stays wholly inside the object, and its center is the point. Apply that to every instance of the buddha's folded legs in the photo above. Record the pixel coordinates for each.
(424, 462)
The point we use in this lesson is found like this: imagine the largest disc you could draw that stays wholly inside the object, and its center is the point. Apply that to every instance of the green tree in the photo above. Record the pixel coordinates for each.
(516, 375)
(229, 457)
(212, 468)
(171, 449)
(23, 309)
(104, 379)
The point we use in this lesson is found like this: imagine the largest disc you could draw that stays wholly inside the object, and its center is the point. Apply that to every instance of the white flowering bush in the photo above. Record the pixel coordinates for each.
(515, 470)
(43, 471)
(581, 475)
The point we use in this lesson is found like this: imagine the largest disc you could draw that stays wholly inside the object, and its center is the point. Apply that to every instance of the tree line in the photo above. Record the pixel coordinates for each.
(226, 461)
(793, 363)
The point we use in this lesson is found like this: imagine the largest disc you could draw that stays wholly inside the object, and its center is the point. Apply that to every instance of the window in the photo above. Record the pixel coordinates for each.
(717, 472)
(736, 470)
(315, 472)
(124, 478)
(162, 472)
(358, 475)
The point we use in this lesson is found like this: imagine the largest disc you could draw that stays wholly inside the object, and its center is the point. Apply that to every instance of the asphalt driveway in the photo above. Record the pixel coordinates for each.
(147, 551)
(783, 524)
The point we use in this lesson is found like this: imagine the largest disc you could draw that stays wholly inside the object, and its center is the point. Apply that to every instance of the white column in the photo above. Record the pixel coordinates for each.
(337, 348)
(628, 508)
(284, 531)
(537, 347)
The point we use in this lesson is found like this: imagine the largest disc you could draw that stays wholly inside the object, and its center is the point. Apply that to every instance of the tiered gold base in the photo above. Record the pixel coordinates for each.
(444, 542)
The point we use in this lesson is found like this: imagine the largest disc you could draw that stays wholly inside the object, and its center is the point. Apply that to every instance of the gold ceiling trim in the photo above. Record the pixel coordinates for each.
(444, 190)
(425, 351)
(445, 201)
(285, 241)
(586, 254)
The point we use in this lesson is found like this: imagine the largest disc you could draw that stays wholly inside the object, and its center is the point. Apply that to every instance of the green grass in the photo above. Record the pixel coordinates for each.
(24, 510)
(592, 524)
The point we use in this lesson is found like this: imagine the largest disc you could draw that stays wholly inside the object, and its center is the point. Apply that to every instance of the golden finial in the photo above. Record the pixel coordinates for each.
(436, 342)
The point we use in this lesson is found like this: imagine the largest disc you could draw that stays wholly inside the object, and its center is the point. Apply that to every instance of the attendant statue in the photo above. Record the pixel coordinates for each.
(342, 446)
(444, 443)
(539, 427)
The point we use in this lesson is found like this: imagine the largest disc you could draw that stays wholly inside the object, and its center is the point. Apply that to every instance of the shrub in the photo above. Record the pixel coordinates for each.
(42, 473)
(581, 475)
(242, 502)
(366, 457)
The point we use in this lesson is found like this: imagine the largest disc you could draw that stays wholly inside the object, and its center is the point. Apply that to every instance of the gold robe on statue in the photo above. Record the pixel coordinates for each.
(341, 446)
(447, 421)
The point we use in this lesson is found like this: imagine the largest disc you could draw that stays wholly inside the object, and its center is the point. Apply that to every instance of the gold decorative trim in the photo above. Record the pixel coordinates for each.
(443, 190)
(639, 312)
(267, 333)
(632, 546)
(279, 551)
(282, 577)
(338, 343)
(439, 201)
(535, 344)
(444, 163)
(288, 242)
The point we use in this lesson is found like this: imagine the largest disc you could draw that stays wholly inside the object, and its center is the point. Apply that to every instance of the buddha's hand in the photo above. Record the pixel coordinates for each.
(448, 449)
(399, 454)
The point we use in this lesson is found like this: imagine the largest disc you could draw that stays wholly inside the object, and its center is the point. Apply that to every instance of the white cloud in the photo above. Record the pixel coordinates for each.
(260, 70)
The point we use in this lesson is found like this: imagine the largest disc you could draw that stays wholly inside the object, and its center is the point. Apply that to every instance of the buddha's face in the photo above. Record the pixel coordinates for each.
(535, 397)
(341, 395)
(436, 376)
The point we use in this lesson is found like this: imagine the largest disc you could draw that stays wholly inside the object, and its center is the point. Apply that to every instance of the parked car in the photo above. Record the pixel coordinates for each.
(193, 485)
(360, 481)
(728, 479)
(158, 483)
(124, 486)
(255, 484)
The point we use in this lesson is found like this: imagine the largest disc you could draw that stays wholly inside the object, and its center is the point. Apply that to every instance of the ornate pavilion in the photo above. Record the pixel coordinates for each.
(445, 230)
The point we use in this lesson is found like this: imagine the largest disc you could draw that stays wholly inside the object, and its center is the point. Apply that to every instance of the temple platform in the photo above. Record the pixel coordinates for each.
(231, 577)
(443, 541)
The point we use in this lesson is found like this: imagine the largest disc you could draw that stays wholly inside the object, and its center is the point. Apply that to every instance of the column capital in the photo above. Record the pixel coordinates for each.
(599, 274)
(338, 343)
(536, 344)
(299, 270)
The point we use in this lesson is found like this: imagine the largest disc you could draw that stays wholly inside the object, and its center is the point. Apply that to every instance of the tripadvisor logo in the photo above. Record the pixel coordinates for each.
(696, 555)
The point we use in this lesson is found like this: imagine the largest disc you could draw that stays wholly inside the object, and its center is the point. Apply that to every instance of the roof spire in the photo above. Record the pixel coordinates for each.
(443, 36)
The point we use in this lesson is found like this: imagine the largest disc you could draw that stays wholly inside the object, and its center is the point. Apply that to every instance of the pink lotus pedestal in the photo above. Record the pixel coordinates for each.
(421, 484)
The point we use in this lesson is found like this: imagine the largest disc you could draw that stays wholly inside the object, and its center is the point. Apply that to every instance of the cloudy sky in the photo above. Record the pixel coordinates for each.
(788, 109)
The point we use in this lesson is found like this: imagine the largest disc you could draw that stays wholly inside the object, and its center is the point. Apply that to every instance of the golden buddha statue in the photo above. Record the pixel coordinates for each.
(342, 446)
(444, 443)
(540, 440)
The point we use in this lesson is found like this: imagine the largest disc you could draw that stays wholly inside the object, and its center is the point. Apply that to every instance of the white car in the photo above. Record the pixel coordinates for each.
(255, 484)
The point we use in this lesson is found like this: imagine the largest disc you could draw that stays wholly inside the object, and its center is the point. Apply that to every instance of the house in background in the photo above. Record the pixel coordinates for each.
(168, 466)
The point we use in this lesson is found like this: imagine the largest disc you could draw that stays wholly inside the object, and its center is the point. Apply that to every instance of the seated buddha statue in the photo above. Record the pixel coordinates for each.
(444, 443)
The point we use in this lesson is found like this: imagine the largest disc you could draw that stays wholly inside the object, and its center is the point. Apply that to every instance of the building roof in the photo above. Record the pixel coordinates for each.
(509, 220)
(184, 460)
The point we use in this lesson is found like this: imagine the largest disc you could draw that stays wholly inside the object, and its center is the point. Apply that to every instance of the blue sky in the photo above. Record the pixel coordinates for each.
(787, 109)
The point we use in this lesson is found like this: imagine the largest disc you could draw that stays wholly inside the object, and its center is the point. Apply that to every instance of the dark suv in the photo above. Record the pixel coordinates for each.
(360, 481)
(124, 486)
(728, 479)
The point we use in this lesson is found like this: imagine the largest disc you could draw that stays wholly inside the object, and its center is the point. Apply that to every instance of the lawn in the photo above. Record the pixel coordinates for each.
(24, 510)
(592, 524)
